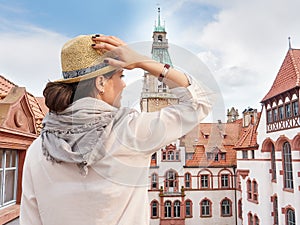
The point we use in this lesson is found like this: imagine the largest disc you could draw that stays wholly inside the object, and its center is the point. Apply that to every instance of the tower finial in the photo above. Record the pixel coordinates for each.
(290, 46)
(158, 17)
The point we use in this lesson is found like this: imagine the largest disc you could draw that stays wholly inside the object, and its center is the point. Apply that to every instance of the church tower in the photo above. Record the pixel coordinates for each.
(155, 94)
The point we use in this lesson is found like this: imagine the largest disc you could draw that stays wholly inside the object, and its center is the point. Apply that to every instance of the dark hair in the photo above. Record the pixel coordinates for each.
(58, 96)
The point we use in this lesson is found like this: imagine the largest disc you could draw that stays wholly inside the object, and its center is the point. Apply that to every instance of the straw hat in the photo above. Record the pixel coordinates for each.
(80, 61)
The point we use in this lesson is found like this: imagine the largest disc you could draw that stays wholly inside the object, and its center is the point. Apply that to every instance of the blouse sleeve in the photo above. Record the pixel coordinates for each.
(29, 214)
(148, 131)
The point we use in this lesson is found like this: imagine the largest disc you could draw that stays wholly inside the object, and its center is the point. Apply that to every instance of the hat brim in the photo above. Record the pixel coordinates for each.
(107, 72)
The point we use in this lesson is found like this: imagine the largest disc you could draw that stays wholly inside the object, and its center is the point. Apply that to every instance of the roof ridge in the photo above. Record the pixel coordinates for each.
(2, 77)
(295, 66)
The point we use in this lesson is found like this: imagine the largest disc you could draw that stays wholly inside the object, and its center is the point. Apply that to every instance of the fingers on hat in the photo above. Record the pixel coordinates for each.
(114, 62)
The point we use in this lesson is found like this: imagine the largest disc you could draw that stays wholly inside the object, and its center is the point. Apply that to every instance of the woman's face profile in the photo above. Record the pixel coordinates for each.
(113, 88)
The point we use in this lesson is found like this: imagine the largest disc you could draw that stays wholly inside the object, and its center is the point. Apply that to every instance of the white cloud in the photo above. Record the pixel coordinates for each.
(244, 44)
(30, 56)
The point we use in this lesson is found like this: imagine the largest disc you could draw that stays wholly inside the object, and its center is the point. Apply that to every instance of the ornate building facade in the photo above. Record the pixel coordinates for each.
(269, 159)
(192, 180)
(21, 117)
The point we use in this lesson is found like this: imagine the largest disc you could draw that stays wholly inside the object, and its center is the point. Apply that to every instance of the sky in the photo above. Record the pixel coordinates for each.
(242, 43)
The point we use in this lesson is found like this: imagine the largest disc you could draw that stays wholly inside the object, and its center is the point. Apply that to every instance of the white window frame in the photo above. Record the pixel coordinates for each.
(3, 171)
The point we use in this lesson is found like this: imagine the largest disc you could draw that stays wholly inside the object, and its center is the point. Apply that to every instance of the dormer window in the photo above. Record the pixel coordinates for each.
(170, 153)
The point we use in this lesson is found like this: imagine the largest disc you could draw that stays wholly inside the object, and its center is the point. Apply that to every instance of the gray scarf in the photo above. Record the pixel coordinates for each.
(74, 135)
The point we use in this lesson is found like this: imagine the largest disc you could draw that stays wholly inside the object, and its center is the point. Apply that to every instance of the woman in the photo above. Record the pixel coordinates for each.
(90, 164)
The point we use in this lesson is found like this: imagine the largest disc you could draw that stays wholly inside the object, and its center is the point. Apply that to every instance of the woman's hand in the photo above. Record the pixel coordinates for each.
(126, 57)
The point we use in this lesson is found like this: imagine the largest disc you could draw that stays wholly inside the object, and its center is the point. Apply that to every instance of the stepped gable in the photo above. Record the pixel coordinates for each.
(248, 138)
(37, 106)
(215, 137)
(288, 76)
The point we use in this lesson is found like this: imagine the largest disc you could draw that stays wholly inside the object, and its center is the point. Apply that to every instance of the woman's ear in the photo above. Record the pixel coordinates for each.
(99, 84)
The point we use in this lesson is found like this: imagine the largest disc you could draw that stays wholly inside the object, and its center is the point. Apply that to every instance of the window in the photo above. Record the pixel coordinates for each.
(287, 166)
(240, 209)
(269, 116)
(168, 207)
(171, 181)
(8, 176)
(224, 181)
(290, 217)
(255, 190)
(249, 189)
(153, 156)
(204, 181)
(273, 163)
(205, 208)
(288, 112)
(209, 156)
(154, 209)
(295, 106)
(188, 208)
(281, 112)
(252, 154)
(189, 156)
(256, 220)
(223, 156)
(170, 153)
(245, 154)
(250, 219)
(154, 183)
(177, 209)
(275, 114)
(187, 180)
(226, 207)
(275, 210)
(216, 157)
(252, 191)
(164, 156)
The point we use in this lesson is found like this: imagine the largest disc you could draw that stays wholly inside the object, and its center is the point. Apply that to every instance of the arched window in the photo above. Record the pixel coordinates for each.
(273, 162)
(187, 180)
(250, 219)
(225, 181)
(249, 189)
(168, 208)
(287, 166)
(154, 181)
(177, 209)
(226, 207)
(204, 179)
(275, 210)
(171, 181)
(154, 209)
(256, 220)
(205, 205)
(240, 209)
(255, 190)
(188, 208)
(290, 217)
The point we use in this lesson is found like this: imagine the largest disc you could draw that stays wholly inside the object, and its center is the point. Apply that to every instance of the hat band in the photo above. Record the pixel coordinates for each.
(84, 71)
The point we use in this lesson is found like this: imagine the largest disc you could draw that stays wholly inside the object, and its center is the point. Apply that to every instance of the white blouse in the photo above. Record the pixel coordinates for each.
(114, 192)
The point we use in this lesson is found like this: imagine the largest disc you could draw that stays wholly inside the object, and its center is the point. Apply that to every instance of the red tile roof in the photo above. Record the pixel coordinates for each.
(212, 135)
(36, 105)
(288, 76)
(249, 136)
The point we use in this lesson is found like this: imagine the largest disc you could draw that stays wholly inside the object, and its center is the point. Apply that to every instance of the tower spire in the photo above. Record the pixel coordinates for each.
(159, 27)
(290, 46)
(158, 17)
